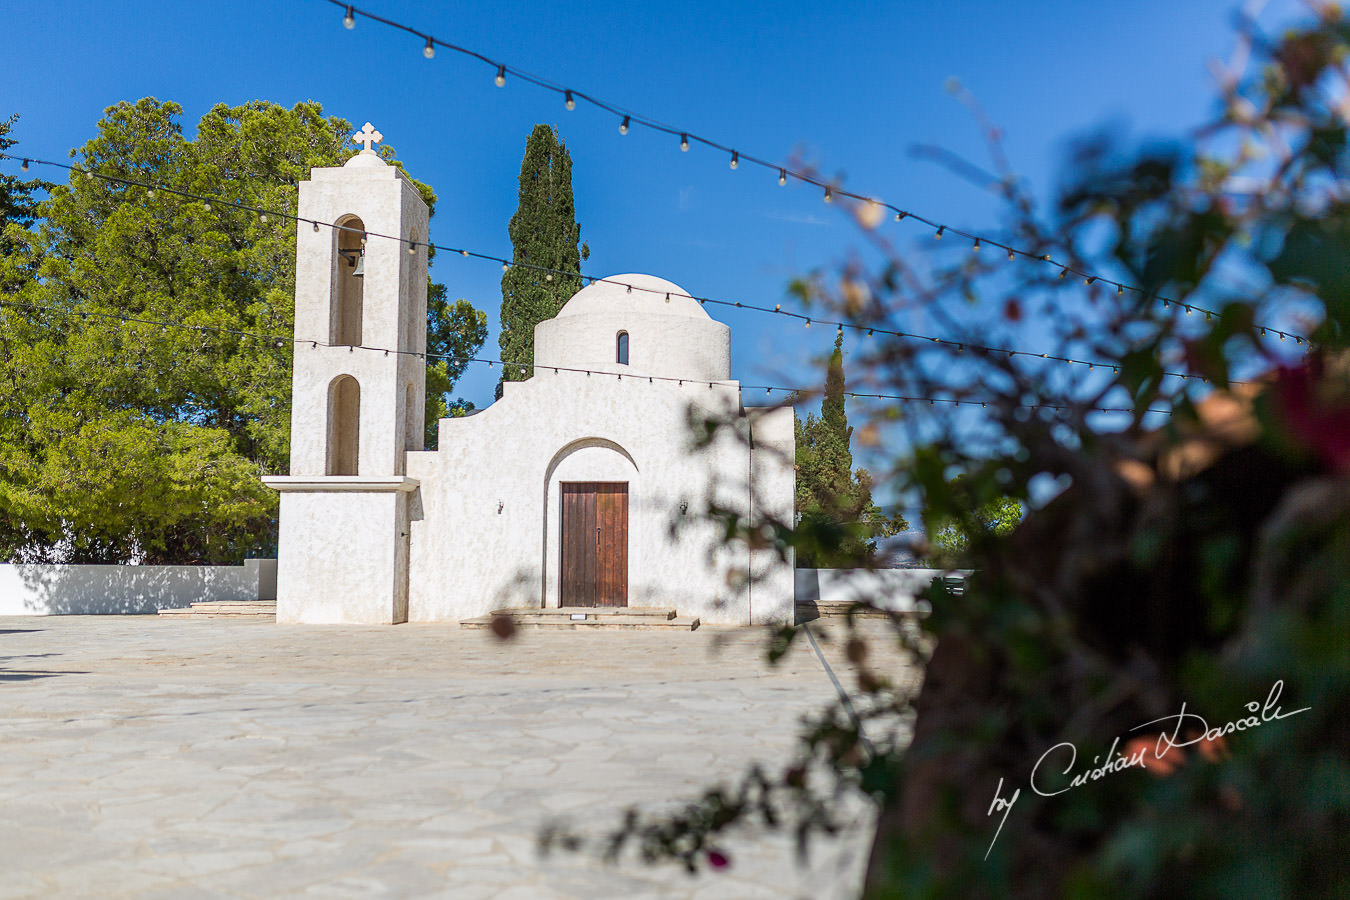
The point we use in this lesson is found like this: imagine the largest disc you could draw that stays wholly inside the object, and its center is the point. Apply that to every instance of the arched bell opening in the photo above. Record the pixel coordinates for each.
(349, 259)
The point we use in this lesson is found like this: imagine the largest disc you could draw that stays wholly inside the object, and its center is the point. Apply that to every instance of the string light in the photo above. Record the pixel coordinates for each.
(941, 228)
(976, 246)
(623, 126)
(735, 159)
(568, 94)
(430, 49)
(280, 341)
(1011, 255)
(24, 167)
(349, 20)
(782, 176)
(829, 195)
(549, 273)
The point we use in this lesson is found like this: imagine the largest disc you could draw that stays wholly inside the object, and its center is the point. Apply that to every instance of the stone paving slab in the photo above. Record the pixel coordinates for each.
(152, 757)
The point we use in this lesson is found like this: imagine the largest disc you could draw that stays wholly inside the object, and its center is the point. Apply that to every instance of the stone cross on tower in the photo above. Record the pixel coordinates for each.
(367, 135)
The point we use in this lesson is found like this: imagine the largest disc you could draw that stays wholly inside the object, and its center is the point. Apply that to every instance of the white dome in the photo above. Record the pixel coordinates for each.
(673, 338)
(648, 295)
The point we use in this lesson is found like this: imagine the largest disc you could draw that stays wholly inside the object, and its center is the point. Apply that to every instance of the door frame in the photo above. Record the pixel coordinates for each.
(617, 581)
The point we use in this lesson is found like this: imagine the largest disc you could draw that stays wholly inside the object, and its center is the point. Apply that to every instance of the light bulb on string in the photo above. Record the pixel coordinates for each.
(500, 80)
(829, 195)
(900, 215)
(570, 101)
(349, 19)
(1012, 254)
(623, 126)
(782, 177)
(684, 143)
(938, 235)
(735, 159)
(430, 49)
(24, 167)
(412, 248)
(316, 226)
(976, 246)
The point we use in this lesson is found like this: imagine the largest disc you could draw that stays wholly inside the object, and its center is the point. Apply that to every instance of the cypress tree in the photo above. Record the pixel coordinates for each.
(837, 519)
(544, 233)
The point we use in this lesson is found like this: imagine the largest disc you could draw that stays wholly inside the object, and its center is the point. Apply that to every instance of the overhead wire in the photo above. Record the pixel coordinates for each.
(830, 190)
(279, 341)
(549, 272)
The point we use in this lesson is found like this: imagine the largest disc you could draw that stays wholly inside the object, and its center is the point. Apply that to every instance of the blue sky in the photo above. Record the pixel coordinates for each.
(850, 86)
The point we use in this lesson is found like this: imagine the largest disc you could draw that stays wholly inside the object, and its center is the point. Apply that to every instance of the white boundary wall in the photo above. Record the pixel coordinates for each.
(898, 590)
(75, 590)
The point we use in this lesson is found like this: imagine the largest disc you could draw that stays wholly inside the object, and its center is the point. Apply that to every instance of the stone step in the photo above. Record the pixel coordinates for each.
(590, 612)
(829, 609)
(613, 618)
(213, 609)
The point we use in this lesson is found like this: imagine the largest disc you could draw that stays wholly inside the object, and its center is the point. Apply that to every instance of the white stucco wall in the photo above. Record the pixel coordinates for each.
(898, 590)
(489, 496)
(79, 590)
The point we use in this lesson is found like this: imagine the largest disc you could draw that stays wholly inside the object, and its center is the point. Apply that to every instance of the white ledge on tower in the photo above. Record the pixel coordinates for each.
(344, 483)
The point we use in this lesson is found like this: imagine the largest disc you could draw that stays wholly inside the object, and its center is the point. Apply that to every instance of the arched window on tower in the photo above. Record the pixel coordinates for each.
(348, 276)
(621, 351)
(344, 426)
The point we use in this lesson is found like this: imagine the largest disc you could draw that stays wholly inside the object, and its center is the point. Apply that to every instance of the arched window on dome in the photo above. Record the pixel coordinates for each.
(344, 321)
(621, 350)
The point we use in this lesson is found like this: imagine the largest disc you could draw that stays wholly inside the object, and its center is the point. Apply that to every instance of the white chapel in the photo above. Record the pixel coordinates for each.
(582, 486)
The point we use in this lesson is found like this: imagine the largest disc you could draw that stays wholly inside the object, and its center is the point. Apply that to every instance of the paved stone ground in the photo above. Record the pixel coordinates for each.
(148, 758)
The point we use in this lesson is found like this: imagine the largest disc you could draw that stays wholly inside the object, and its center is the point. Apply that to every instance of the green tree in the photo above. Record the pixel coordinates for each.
(453, 330)
(833, 501)
(950, 535)
(18, 207)
(544, 233)
(122, 440)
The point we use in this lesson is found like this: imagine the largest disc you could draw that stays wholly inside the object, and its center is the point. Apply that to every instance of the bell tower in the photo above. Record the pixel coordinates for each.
(358, 393)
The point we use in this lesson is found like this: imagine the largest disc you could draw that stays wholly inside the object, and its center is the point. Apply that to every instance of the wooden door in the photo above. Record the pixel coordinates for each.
(594, 543)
